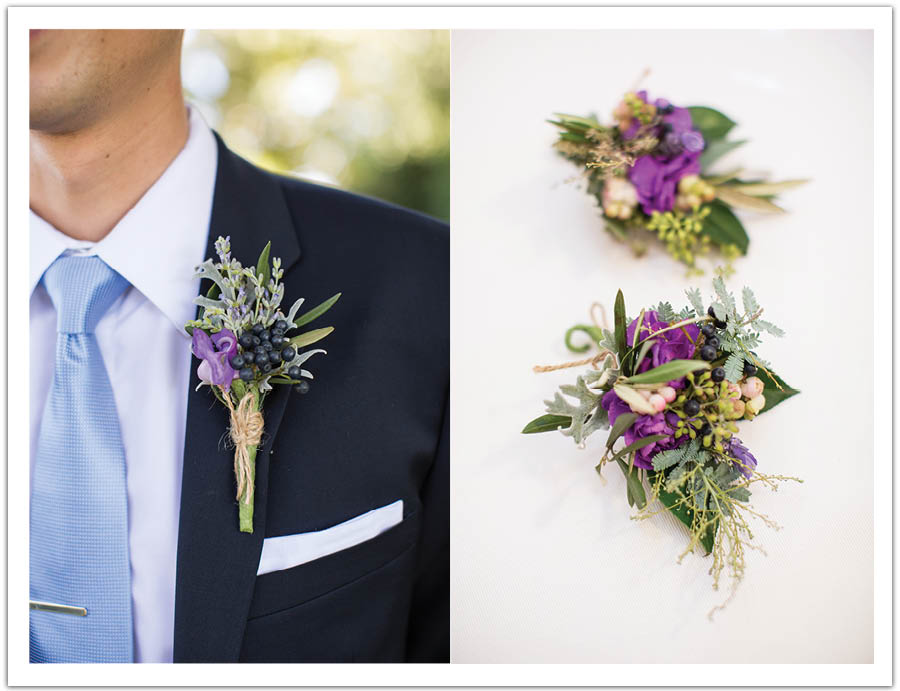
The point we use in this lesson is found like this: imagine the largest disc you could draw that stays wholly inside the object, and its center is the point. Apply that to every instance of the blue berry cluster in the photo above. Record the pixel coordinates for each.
(262, 351)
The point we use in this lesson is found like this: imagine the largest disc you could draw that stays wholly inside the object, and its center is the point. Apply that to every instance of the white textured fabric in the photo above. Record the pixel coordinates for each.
(147, 356)
(287, 551)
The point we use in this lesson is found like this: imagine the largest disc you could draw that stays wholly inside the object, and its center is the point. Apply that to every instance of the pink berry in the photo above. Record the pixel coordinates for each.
(657, 402)
(668, 393)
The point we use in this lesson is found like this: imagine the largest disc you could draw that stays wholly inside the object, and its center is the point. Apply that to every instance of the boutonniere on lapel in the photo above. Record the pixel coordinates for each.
(650, 171)
(247, 345)
(673, 386)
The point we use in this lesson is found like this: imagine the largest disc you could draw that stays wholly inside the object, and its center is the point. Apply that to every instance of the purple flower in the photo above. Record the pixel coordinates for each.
(656, 178)
(216, 354)
(656, 175)
(643, 426)
(746, 462)
(677, 344)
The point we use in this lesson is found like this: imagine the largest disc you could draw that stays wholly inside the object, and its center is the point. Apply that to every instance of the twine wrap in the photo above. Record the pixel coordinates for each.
(245, 431)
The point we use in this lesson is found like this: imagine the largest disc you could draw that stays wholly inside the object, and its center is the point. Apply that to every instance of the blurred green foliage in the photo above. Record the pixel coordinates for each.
(368, 111)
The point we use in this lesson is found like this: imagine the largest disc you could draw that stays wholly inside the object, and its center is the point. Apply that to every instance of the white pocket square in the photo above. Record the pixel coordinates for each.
(288, 551)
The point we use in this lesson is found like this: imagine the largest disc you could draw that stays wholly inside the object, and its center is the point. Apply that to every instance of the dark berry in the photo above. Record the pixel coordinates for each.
(264, 335)
(708, 353)
(718, 374)
(281, 325)
(706, 429)
(665, 110)
(749, 368)
(708, 330)
(246, 374)
(265, 367)
(288, 354)
(719, 324)
(246, 340)
(266, 345)
(257, 329)
(277, 340)
(294, 372)
(713, 341)
(260, 350)
(237, 361)
(274, 357)
(691, 407)
(302, 387)
(249, 358)
(256, 341)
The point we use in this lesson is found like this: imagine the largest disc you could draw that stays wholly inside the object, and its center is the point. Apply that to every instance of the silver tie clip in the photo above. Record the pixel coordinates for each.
(59, 609)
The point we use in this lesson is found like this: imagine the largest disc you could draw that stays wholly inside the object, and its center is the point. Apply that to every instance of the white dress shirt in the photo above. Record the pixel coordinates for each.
(147, 355)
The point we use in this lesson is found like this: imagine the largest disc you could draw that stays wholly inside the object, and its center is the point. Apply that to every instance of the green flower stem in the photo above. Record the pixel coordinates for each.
(245, 509)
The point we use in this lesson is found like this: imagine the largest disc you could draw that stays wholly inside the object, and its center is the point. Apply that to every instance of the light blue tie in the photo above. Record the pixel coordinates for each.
(79, 505)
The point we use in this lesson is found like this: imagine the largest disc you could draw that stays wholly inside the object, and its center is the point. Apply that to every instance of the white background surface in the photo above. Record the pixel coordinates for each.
(546, 564)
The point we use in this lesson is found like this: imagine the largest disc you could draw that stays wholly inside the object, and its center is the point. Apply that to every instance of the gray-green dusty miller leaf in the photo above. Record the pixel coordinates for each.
(587, 416)
(293, 312)
(725, 297)
(665, 312)
(769, 327)
(750, 303)
(693, 295)
(208, 270)
(208, 303)
(734, 367)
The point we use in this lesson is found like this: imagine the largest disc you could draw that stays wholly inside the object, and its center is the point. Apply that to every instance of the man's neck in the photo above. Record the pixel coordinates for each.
(84, 182)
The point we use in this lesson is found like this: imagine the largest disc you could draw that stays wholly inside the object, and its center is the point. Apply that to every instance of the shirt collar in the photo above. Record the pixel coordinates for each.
(159, 242)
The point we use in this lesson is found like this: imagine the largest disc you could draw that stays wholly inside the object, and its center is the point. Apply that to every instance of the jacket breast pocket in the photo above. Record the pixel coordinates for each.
(359, 547)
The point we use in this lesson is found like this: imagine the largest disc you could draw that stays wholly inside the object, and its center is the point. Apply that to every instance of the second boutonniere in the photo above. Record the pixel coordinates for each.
(247, 345)
(673, 386)
(650, 172)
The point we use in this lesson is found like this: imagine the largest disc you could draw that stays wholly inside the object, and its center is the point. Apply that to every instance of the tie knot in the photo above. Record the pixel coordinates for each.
(82, 289)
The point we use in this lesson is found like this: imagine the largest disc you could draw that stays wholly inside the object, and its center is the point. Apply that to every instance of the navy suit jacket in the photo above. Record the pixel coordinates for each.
(374, 428)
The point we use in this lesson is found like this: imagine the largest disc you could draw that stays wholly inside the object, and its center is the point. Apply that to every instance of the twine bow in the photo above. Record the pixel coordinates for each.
(599, 324)
(246, 431)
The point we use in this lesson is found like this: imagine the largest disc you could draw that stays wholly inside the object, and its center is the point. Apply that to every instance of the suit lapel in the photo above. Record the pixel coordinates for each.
(217, 564)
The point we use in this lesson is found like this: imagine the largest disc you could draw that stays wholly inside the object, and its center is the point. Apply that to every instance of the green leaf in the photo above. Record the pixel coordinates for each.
(670, 457)
(310, 337)
(616, 228)
(674, 369)
(638, 444)
(623, 422)
(764, 189)
(716, 149)
(774, 395)
(586, 123)
(547, 423)
(214, 292)
(734, 367)
(739, 493)
(711, 123)
(239, 388)
(595, 334)
(685, 515)
(633, 484)
(619, 313)
(633, 399)
(262, 265)
(725, 297)
(739, 200)
(316, 311)
(643, 353)
(723, 227)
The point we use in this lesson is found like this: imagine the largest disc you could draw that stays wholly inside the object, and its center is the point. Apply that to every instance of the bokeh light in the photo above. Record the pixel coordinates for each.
(368, 111)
